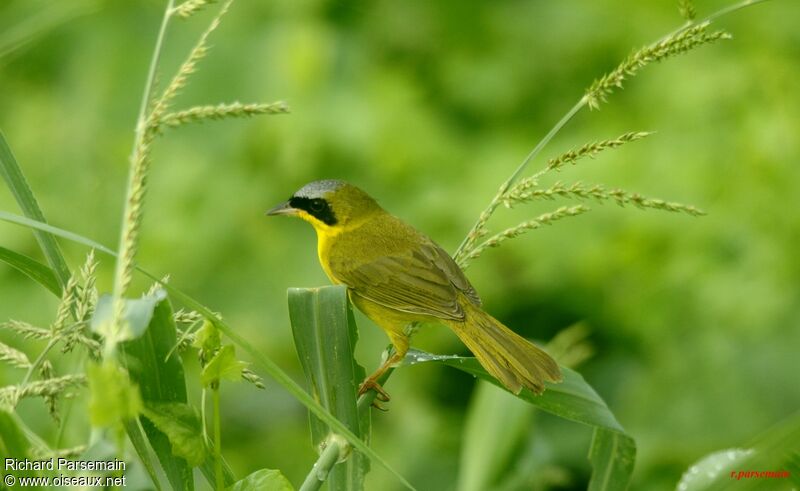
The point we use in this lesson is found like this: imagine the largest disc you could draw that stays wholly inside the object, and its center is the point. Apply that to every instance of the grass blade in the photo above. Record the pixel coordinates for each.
(325, 336)
(260, 359)
(35, 270)
(483, 429)
(59, 232)
(41, 23)
(613, 451)
(613, 456)
(137, 438)
(19, 187)
(14, 443)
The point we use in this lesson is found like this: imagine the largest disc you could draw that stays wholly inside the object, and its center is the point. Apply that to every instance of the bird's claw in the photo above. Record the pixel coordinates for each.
(371, 384)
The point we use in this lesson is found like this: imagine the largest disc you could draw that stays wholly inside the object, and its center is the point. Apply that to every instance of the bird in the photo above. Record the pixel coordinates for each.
(399, 277)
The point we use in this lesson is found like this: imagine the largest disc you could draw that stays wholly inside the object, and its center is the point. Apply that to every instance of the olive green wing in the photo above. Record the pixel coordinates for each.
(422, 280)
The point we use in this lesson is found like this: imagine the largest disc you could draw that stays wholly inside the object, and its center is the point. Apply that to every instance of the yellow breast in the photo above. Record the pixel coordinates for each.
(325, 239)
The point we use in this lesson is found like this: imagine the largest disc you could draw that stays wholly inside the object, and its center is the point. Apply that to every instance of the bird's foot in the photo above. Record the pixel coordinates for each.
(371, 384)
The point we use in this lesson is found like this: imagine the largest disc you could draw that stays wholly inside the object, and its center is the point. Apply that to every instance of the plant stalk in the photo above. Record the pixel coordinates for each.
(128, 233)
(322, 467)
(475, 232)
(217, 441)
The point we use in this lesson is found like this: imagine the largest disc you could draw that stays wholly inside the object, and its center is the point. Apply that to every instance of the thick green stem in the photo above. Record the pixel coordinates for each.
(322, 467)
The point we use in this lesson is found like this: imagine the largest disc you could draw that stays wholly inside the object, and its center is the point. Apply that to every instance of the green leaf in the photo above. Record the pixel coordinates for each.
(613, 456)
(263, 480)
(262, 360)
(137, 438)
(181, 424)
(113, 398)
(776, 450)
(269, 366)
(613, 452)
(35, 270)
(325, 336)
(14, 443)
(483, 429)
(138, 314)
(43, 21)
(207, 338)
(15, 179)
(701, 475)
(223, 365)
(60, 232)
(161, 380)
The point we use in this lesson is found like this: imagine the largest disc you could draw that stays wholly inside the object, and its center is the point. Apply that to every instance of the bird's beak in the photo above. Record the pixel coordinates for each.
(282, 209)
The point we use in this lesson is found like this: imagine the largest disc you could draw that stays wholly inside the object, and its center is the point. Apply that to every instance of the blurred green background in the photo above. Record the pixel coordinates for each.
(429, 106)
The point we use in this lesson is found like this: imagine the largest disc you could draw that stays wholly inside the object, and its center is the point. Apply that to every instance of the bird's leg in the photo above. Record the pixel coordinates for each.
(371, 382)
(400, 343)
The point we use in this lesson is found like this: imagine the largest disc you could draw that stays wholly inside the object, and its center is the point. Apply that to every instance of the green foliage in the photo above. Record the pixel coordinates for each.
(483, 429)
(15, 180)
(770, 461)
(162, 381)
(35, 270)
(113, 398)
(325, 337)
(137, 316)
(263, 480)
(181, 424)
(433, 100)
(222, 366)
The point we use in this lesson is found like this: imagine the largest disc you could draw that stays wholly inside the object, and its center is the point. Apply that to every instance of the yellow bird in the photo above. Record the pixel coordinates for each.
(398, 276)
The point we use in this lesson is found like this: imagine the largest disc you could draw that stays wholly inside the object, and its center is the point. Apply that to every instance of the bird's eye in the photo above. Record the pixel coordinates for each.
(317, 205)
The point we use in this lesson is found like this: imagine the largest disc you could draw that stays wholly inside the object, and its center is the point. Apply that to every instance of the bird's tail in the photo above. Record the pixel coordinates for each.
(510, 358)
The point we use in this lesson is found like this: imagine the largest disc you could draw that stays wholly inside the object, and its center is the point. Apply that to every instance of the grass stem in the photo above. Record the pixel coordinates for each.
(220, 480)
(322, 467)
(138, 159)
(470, 241)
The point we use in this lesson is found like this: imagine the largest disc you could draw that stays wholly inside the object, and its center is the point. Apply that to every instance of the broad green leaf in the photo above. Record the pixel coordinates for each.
(138, 314)
(571, 399)
(19, 187)
(113, 398)
(776, 450)
(325, 336)
(263, 480)
(223, 366)
(181, 423)
(35, 270)
(613, 456)
(161, 380)
(269, 366)
(262, 360)
(701, 475)
(613, 452)
(483, 429)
